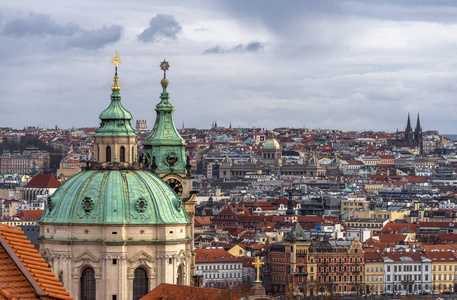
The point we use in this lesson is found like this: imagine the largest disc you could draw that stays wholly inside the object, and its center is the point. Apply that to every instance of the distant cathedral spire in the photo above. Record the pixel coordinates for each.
(408, 131)
(418, 136)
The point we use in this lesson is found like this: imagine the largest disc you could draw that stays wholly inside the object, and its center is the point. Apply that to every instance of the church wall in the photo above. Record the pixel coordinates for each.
(159, 249)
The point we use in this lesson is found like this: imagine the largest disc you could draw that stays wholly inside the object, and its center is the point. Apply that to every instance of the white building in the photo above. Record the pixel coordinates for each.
(407, 272)
(218, 267)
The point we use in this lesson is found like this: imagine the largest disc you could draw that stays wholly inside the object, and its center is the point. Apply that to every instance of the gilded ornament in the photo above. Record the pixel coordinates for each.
(116, 60)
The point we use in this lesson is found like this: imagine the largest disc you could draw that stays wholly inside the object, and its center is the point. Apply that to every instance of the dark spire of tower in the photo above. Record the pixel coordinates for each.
(418, 136)
(418, 125)
(408, 131)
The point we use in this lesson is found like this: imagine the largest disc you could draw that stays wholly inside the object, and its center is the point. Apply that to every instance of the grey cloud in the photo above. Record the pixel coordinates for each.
(240, 48)
(161, 26)
(38, 24)
(96, 38)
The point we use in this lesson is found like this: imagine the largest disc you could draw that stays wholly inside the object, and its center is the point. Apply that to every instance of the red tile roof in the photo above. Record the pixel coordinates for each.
(202, 221)
(441, 256)
(23, 271)
(43, 181)
(167, 291)
(30, 214)
(399, 228)
(214, 255)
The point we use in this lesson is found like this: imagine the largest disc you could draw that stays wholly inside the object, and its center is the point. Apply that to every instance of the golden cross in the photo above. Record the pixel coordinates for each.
(116, 60)
(257, 263)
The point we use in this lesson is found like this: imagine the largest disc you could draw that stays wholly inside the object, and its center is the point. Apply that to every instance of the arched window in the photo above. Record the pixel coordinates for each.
(180, 280)
(140, 284)
(122, 154)
(133, 155)
(87, 284)
(108, 153)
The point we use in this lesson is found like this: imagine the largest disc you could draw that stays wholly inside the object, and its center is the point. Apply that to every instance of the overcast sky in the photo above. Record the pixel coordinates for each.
(350, 65)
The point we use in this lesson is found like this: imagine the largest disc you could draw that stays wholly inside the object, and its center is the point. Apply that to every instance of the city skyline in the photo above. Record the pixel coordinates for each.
(349, 65)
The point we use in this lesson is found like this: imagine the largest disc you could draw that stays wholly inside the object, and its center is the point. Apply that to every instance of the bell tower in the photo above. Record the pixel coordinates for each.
(115, 140)
(165, 154)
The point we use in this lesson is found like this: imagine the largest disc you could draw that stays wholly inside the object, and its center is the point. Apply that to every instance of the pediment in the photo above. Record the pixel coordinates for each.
(86, 255)
(142, 256)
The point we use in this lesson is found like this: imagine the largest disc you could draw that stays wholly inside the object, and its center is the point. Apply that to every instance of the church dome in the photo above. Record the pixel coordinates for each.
(272, 143)
(115, 197)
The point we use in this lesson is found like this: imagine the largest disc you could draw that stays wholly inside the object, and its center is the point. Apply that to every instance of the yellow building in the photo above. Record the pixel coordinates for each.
(373, 187)
(354, 203)
(378, 214)
(374, 273)
(237, 251)
(444, 268)
(418, 214)
(67, 169)
(366, 223)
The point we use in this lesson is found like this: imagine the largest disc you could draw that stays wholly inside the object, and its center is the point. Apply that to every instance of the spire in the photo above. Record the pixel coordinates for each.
(408, 124)
(115, 120)
(408, 131)
(418, 136)
(418, 125)
(165, 135)
(116, 61)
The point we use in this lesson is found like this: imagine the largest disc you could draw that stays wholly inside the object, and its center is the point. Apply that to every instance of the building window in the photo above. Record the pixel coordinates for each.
(87, 282)
(108, 153)
(122, 154)
(140, 283)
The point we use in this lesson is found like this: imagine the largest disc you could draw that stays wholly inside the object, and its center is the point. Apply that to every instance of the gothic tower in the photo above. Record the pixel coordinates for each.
(408, 132)
(418, 136)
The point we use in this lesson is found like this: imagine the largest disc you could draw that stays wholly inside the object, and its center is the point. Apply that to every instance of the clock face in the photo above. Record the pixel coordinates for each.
(176, 185)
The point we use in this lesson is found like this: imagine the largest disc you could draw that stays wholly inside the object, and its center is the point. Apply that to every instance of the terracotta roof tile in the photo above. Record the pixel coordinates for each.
(166, 291)
(30, 214)
(43, 181)
(214, 255)
(34, 276)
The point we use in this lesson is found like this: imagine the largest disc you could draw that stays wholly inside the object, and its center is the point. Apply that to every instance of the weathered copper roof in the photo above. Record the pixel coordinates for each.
(115, 197)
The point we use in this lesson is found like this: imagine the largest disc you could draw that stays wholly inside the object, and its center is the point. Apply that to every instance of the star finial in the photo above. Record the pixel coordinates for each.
(116, 60)
(164, 66)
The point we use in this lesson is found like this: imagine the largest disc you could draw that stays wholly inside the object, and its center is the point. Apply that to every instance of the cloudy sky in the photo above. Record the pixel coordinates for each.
(350, 65)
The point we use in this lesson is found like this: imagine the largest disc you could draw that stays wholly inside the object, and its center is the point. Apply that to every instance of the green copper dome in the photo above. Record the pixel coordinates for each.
(115, 197)
(115, 120)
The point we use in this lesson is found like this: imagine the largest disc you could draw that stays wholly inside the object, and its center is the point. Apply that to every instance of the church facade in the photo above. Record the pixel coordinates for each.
(117, 230)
